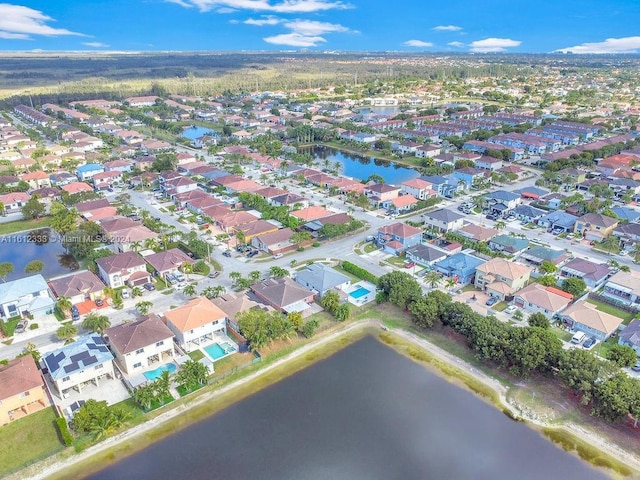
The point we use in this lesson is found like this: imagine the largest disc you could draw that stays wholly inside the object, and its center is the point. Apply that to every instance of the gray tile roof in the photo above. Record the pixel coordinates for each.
(320, 277)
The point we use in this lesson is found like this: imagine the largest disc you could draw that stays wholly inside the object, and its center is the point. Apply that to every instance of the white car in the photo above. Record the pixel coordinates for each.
(277, 255)
(510, 309)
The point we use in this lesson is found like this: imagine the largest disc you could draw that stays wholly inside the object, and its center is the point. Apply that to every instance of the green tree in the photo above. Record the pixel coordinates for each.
(615, 397)
(300, 237)
(548, 267)
(433, 278)
(400, 288)
(574, 286)
(162, 385)
(191, 375)
(611, 244)
(96, 323)
(66, 332)
(375, 178)
(278, 272)
(622, 355)
(296, 319)
(144, 306)
(538, 320)
(189, 290)
(34, 266)
(581, 370)
(6, 268)
(144, 396)
(309, 328)
(425, 312)
(34, 208)
(330, 301)
(547, 280)
(64, 305)
(343, 312)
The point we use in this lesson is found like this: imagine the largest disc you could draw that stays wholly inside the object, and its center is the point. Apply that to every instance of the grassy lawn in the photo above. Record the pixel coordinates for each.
(22, 225)
(500, 306)
(196, 355)
(27, 440)
(396, 261)
(370, 247)
(353, 278)
(602, 348)
(562, 334)
(470, 288)
(182, 390)
(610, 309)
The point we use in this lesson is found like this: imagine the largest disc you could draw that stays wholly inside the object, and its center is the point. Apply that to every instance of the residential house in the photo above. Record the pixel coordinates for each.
(274, 242)
(443, 220)
(531, 192)
(501, 278)
(445, 186)
(13, 202)
(489, 163)
(233, 303)
(78, 286)
(539, 254)
(502, 201)
(469, 176)
(558, 220)
(420, 189)
(253, 229)
(546, 300)
(595, 226)
(127, 268)
(62, 178)
(508, 244)
(289, 200)
(477, 233)
(321, 278)
(142, 344)
(311, 213)
(87, 360)
(425, 255)
(630, 336)
(625, 214)
(196, 324)
(527, 213)
(397, 237)
(76, 187)
(168, 261)
(37, 179)
(585, 317)
(624, 288)
(123, 166)
(628, 233)
(88, 170)
(593, 274)
(25, 296)
(380, 192)
(107, 179)
(283, 294)
(21, 389)
(461, 267)
(403, 203)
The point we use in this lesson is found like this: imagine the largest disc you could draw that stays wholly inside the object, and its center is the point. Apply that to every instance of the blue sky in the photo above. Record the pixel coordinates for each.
(578, 26)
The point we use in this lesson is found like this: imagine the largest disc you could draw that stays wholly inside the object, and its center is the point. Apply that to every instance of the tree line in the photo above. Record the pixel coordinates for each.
(522, 351)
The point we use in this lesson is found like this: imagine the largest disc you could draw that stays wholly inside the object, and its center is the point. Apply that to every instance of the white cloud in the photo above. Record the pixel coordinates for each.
(96, 44)
(493, 45)
(447, 28)
(266, 20)
(610, 45)
(18, 22)
(312, 28)
(456, 44)
(417, 43)
(282, 6)
(295, 40)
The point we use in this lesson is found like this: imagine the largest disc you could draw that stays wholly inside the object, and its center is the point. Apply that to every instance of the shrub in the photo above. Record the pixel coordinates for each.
(309, 328)
(315, 244)
(63, 429)
(300, 249)
(33, 326)
(359, 272)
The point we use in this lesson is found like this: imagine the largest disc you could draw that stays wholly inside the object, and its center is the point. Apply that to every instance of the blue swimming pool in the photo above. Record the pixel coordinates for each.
(217, 351)
(154, 374)
(360, 292)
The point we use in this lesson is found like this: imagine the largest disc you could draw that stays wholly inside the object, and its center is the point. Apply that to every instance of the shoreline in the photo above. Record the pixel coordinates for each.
(98, 456)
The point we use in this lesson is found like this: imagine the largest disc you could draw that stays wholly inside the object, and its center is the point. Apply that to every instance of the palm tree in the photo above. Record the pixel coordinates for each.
(189, 290)
(187, 268)
(254, 276)
(144, 396)
(136, 246)
(66, 332)
(64, 305)
(136, 292)
(432, 278)
(500, 225)
(162, 385)
(96, 323)
(144, 307)
(3, 209)
(151, 243)
(165, 239)
(450, 283)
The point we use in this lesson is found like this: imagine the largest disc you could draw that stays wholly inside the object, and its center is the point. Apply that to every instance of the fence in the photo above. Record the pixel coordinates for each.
(614, 303)
(236, 369)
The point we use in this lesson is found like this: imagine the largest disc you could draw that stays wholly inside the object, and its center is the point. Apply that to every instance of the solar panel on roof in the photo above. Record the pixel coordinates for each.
(91, 346)
(90, 361)
(71, 368)
(80, 356)
(103, 348)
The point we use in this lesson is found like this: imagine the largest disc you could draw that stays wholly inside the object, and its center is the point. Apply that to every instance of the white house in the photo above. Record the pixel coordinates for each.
(29, 295)
(127, 268)
(196, 324)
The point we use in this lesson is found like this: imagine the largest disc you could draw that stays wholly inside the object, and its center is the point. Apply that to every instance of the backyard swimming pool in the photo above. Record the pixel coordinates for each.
(217, 350)
(359, 292)
(154, 374)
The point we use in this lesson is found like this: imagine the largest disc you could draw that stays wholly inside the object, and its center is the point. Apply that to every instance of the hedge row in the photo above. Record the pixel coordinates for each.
(359, 272)
(65, 434)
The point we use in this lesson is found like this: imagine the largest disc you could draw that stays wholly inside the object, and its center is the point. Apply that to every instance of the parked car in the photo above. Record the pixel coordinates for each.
(22, 326)
(179, 276)
(149, 286)
(252, 253)
(636, 367)
(277, 256)
(409, 265)
(124, 294)
(171, 279)
(75, 314)
(510, 309)
(99, 302)
(227, 253)
(589, 343)
(491, 301)
(214, 274)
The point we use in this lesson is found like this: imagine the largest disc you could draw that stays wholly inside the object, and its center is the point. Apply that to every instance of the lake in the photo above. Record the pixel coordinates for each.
(21, 248)
(196, 132)
(360, 168)
(366, 412)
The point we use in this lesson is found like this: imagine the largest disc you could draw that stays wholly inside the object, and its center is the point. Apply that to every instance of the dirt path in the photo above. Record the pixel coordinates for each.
(56, 465)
